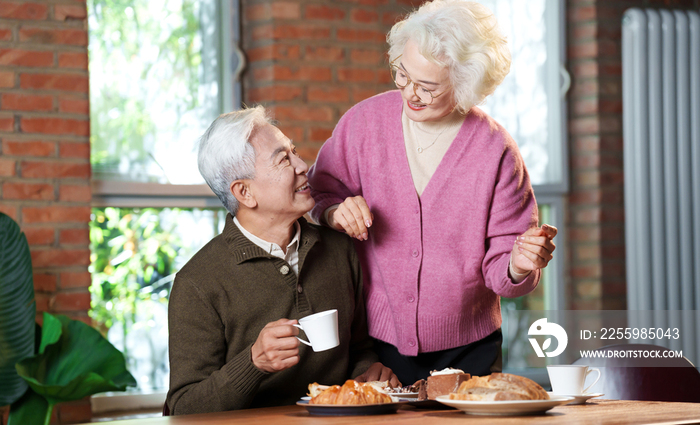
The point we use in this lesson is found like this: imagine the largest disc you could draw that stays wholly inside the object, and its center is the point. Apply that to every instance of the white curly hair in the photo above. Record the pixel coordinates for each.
(463, 36)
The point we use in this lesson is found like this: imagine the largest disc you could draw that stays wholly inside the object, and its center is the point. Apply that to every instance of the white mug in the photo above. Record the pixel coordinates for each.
(569, 379)
(321, 329)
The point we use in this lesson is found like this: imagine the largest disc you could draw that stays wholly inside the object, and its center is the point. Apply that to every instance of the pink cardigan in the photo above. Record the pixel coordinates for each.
(435, 266)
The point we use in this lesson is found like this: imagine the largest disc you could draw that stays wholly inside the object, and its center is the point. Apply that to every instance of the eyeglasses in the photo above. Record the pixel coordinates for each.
(401, 79)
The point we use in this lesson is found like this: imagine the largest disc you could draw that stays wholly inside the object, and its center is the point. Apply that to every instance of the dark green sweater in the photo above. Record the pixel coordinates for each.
(230, 290)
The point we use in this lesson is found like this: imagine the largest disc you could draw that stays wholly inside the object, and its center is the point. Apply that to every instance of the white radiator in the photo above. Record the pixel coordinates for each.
(661, 128)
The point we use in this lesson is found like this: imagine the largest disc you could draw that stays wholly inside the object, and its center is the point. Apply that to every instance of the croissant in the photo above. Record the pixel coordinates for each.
(351, 392)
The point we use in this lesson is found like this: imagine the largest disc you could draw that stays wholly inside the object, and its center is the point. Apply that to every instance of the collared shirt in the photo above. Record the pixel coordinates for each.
(292, 255)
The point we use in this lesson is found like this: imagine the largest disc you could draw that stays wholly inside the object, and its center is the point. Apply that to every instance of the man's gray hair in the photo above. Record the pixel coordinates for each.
(463, 36)
(225, 153)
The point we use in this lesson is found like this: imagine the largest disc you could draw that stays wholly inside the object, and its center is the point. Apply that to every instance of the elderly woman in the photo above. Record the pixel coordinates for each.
(437, 196)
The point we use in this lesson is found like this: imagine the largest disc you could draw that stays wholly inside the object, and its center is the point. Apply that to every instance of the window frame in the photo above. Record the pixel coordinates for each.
(554, 194)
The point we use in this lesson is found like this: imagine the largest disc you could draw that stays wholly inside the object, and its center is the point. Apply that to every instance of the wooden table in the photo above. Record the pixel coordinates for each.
(594, 412)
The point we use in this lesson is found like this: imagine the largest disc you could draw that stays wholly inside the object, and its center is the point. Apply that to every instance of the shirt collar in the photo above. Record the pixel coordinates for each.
(266, 246)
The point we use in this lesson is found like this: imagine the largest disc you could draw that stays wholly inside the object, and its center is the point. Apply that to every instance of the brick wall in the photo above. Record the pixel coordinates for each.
(310, 61)
(596, 208)
(45, 152)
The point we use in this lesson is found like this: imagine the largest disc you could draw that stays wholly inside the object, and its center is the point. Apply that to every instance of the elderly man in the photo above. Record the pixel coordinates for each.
(232, 306)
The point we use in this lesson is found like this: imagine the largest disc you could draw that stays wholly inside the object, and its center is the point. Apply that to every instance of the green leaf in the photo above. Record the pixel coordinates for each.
(80, 363)
(31, 408)
(50, 332)
(17, 308)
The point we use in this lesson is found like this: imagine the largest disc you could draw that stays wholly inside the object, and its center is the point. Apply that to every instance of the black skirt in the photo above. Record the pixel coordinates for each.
(482, 357)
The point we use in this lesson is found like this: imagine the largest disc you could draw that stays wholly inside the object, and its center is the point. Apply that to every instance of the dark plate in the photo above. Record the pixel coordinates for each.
(430, 404)
(351, 410)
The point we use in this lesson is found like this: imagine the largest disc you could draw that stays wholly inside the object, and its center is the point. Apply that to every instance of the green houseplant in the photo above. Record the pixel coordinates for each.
(71, 360)
(17, 308)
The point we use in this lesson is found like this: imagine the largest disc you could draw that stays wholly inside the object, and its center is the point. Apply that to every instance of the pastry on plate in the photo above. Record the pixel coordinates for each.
(316, 389)
(415, 391)
(351, 392)
(499, 387)
(444, 382)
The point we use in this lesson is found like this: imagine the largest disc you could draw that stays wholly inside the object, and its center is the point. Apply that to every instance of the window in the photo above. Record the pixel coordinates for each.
(160, 72)
(135, 253)
(530, 101)
(531, 107)
(155, 84)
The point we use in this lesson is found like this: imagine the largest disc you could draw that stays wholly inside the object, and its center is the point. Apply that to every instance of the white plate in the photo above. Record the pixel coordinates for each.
(403, 396)
(578, 399)
(504, 408)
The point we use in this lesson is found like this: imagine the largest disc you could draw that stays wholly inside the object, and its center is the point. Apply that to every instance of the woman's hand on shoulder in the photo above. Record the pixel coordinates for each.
(353, 217)
(533, 249)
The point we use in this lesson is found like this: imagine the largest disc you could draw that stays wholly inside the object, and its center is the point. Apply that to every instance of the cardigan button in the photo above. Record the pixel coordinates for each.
(412, 342)
(300, 289)
(415, 253)
(411, 299)
(284, 269)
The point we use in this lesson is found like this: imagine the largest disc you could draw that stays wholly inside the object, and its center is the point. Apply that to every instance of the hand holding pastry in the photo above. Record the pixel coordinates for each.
(379, 372)
(533, 249)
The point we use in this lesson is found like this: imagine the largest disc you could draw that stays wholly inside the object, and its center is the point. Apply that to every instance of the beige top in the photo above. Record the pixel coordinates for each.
(433, 139)
(426, 144)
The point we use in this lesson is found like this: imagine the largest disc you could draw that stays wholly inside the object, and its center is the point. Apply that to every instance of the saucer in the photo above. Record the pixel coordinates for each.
(580, 398)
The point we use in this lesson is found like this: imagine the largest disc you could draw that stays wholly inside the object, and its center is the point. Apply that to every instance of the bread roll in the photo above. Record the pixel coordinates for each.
(499, 387)
(351, 392)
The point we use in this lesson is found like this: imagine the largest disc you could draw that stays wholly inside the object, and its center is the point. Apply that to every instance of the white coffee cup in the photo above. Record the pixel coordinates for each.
(569, 379)
(321, 329)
